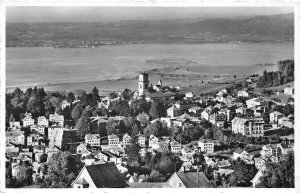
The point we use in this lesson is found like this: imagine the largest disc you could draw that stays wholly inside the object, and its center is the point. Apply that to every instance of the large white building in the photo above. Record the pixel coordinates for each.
(92, 140)
(56, 119)
(28, 120)
(43, 121)
(15, 137)
(206, 146)
(274, 116)
(250, 127)
(113, 140)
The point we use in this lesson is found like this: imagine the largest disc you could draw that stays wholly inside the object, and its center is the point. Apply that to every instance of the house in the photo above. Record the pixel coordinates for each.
(14, 124)
(15, 137)
(195, 111)
(136, 178)
(11, 148)
(113, 140)
(269, 150)
(43, 121)
(109, 157)
(223, 164)
(289, 90)
(174, 111)
(65, 104)
(238, 153)
(104, 175)
(259, 163)
(126, 140)
(54, 129)
(31, 140)
(206, 145)
(205, 114)
(175, 146)
(92, 140)
(243, 93)
(189, 95)
(274, 116)
(257, 102)
(187, 180)
(80, 149)
(256, 180)
(284, 148)
(217, 119)
(141, 140)
(248, 126)
(41, 129)
(56, 139)
(28, 120)
(241, 110)
(154, 142)
(56, 119)
(209, 161)
(89, 160)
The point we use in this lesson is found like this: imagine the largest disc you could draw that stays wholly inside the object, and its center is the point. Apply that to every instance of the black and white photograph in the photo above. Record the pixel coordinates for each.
(148, 97)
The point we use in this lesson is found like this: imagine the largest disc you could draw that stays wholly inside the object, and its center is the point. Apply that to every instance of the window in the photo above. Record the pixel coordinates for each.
(179, 184)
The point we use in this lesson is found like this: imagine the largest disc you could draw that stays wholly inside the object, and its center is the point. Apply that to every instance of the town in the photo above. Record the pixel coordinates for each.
(154, 137)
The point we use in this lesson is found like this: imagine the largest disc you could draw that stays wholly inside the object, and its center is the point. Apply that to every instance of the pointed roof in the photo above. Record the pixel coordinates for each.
(189, 179)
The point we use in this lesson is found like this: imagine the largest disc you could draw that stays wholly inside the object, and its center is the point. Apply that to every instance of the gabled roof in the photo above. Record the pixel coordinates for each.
(106, 176)
(189, 179)
(239, 150)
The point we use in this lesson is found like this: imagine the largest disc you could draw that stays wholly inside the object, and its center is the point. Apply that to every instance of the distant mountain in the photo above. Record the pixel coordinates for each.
(271, 28)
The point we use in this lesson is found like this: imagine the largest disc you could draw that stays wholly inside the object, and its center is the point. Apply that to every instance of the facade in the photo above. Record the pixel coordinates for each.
(256, 102)
(274, 116)
(205, 114)
(174, 112)
(113, 140)
(15, 137)
(175, 147)
(28, 120)
(56, 119)
(56, 139)
(43, 121)
(206, 146)
(187, 180)
(154, 142)
(65, 104)
(92, 140)
(143, 83)
(249, 127)
(269, 150)
(242, 93)
(126, 140)
(141, 140)
(289, 90)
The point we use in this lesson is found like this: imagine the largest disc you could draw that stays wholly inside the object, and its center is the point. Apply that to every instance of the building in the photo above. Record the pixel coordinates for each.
(195, 111)
(175, 146)
(269, 150)
(53, 129)
(243, 93)
(113, 140)
(15, 137)
(206, 146)
(56, 119)
(28, 120)
(126, 140)
(56, 139)
(274, 116)
(238, 153)
(65, 104)
(254, 102)
(289, 90)
(249, 127)
(187, 180)
(174, 112)
(141, 140)
(43, 121)
(80, 149)
(154, 142)
(205, 114)
(143, 83)
(104, 175)
(14, 124)
(92, 140)
(256, 180)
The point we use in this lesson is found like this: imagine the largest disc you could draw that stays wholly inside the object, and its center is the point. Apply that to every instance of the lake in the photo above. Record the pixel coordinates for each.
(39, 66)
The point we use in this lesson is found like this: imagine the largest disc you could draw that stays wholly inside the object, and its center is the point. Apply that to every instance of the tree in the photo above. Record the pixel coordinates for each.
(76, 112)
(155, 176)
(120, 108)
(157, 110)
(139, 106)
(126, 94)
(112, 127)
(24, 175)
(71, 97)
(63, 168)
(242, 175)
(132, 152)
(83, 126)
(36, 106)
(43, 158)
(157, 128)
(279, 175)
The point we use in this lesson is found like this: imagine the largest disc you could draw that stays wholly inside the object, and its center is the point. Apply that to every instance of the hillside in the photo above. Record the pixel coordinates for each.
(274, 28)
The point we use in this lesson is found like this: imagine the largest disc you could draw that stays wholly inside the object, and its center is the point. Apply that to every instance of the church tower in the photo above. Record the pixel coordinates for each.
(143, 83)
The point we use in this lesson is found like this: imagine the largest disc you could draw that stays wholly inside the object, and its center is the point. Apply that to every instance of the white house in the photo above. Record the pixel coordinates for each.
(65, 104)
(43, 121)
(56, 119)
(28, 120)
(243, 93)
(175, 146)
(15, 137)
(206, 146)
(249, 127)
(126, 140)
(141, 140)
(92, 140)
(154, 142)
(113, 140)
(274, 116)
(289, 90)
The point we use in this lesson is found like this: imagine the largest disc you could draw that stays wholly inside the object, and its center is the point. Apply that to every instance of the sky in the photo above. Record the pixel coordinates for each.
(107, 14)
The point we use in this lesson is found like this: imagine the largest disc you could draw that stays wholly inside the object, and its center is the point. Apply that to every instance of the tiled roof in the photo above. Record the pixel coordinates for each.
(106, 176)
(189, 179)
